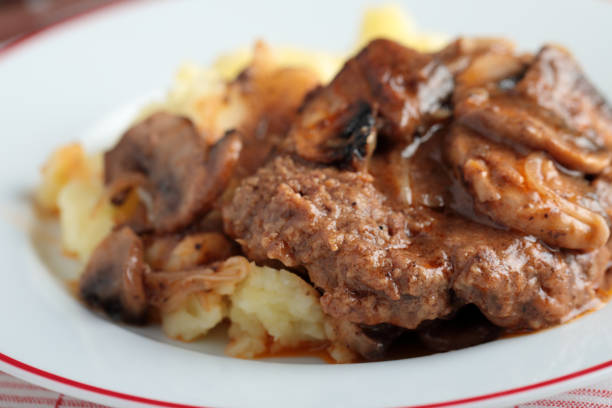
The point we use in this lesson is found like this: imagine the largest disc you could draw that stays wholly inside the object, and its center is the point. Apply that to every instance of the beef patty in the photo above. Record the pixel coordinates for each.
(494, 196)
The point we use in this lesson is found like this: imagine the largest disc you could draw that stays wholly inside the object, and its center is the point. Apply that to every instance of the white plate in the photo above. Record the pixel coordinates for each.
(53, 87)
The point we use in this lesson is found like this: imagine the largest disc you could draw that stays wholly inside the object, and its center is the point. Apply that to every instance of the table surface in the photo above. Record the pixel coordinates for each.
(20, 17)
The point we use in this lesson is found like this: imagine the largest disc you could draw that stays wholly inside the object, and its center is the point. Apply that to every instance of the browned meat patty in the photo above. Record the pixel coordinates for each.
(474, 209)
(375, 267)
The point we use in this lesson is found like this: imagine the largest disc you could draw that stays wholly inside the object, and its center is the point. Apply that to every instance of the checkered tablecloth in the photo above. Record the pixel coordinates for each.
(15, 393)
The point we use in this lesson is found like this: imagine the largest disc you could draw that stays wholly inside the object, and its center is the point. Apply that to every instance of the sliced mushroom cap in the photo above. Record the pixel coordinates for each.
(167, 157)
(556, 82)
(347, 139)
(459, 53)
(506, 98)
(113, 278)
(402, 88)
(510, 119)
(527, 193)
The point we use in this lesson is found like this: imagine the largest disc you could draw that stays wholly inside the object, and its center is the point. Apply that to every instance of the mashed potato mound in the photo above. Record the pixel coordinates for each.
(392, 23)
(65, 164)
(85, 216)
(273, 310)
(269, 310)
(200, 313)
(72, 186)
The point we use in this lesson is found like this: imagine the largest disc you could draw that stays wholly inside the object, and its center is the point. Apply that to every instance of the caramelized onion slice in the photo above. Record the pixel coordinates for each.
(168, 290)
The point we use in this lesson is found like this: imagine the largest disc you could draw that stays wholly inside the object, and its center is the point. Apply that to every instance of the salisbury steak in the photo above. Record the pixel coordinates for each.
(469, 208)
(374, 269)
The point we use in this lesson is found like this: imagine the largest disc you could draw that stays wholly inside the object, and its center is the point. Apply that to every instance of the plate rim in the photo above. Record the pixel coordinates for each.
(21, 367)
(584, 373)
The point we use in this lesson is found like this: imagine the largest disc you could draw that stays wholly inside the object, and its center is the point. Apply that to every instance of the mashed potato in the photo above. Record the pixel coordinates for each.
(273, 310)
(72, 186)
(269, 309)
(65, 164)
(195, 317)
(85, 216)
(392, 23)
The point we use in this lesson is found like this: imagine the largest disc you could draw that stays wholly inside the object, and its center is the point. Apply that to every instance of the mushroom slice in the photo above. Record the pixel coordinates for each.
(113, 277)
(505, 118)
(498, 95)
(167, 157)
(556, 82)
(528, 193)
(489, 70)
(349, 138)
(402, 87)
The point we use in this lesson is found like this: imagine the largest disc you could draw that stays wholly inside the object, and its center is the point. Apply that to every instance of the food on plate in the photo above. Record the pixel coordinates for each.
(448, 192)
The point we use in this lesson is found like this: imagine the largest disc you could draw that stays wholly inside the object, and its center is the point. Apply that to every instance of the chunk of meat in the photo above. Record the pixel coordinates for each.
(401, 86)
(524, 285)
(113, 278)
(166, 156)
(556, 82)
(528, 194)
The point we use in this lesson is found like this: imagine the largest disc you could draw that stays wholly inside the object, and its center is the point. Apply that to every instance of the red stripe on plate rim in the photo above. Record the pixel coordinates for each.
(133, 398)
(109, 393)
